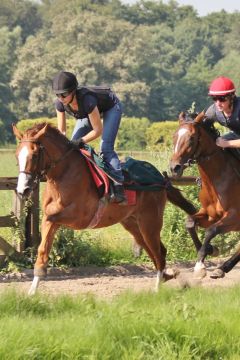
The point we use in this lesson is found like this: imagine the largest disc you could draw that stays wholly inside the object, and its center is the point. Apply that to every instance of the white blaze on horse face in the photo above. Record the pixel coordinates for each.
(22, 177)
(181, 133)
(22, 158)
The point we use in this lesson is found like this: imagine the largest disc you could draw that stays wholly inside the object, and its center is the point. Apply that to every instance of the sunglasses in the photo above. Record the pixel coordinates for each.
(64, 94)
(220, 98)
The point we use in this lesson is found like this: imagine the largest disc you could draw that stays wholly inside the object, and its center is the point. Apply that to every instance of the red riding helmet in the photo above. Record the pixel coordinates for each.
(221, 86)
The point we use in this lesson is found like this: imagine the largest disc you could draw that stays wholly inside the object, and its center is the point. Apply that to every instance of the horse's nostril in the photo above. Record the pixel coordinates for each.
(176, 168)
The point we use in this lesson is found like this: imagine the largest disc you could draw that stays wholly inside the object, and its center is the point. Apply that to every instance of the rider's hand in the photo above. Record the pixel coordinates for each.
(78, 143)
(222, 142)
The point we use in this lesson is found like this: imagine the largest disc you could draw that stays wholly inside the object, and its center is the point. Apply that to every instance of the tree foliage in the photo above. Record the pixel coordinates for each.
(158, 57)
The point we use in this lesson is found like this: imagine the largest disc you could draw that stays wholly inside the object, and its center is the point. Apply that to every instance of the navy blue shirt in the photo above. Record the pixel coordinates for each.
(87, 100)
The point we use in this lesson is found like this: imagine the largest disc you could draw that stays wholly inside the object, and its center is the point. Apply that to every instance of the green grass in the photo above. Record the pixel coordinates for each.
(173, 324)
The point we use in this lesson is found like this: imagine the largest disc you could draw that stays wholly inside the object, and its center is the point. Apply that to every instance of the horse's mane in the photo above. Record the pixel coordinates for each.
(208, 126)
(52, 131)
(210, 129)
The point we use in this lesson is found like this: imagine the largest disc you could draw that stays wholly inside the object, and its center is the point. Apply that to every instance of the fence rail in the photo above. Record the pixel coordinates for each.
(23, 215)
(26, 215)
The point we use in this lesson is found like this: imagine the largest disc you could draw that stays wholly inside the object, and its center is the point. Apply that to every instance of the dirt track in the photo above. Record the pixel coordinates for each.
(109, 282)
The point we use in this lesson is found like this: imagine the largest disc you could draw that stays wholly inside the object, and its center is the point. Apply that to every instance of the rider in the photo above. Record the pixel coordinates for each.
(225, 110)
(86, 107)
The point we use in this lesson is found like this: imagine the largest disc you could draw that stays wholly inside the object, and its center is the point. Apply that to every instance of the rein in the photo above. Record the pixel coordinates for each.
(53, 163)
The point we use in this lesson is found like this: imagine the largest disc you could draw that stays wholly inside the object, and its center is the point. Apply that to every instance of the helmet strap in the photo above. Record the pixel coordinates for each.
(73, 94)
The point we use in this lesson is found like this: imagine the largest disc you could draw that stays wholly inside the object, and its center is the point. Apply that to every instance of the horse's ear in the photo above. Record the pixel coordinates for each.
(199, 118)
(41, 132)
(17, 132)
(181, 117)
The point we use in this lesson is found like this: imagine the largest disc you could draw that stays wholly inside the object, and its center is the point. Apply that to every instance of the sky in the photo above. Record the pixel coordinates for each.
(204, 7)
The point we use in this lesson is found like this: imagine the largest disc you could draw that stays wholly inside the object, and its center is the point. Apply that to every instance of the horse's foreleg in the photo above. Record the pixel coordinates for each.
(226, 266)
(200, 269)
(201, 220)
(40, 268)
(191, 228)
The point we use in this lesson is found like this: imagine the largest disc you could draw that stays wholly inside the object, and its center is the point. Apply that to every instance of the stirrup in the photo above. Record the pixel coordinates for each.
(117, 195)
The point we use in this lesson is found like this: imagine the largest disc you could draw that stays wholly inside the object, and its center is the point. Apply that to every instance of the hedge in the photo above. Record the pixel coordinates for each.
(134, 133)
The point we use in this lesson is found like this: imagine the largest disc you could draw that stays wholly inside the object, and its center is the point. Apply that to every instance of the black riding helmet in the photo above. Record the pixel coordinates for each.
(64, 81)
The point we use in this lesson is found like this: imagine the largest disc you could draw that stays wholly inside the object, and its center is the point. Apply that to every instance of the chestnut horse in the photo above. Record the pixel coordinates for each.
(71, 198)
(195, 141)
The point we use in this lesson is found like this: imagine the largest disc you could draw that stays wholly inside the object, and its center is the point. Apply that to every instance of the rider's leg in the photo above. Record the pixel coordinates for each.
(82, 127)
(111, 122)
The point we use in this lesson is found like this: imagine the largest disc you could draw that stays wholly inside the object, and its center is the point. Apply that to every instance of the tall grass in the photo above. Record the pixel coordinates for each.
(171, 325)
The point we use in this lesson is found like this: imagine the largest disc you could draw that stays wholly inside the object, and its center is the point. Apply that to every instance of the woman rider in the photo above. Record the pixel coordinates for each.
(86, 106)
(225, 110)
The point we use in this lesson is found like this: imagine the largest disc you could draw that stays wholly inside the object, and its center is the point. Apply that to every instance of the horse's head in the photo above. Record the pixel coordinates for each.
(188, 141)
(29, 157)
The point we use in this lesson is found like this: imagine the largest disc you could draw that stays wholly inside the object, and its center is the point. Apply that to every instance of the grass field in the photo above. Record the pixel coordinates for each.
(174, 324)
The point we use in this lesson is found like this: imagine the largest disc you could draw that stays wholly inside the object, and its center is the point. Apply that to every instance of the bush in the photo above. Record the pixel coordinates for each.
(159, 135)
(25, 124)
(132, 134)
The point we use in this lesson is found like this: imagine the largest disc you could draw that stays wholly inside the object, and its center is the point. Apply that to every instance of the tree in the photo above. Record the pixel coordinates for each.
(23, 13)
(9, 43)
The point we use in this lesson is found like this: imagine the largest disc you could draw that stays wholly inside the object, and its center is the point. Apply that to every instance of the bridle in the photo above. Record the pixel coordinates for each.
(40, 173)
(197, 158)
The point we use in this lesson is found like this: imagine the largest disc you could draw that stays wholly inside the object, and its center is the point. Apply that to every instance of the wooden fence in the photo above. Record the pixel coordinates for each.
(25, 215)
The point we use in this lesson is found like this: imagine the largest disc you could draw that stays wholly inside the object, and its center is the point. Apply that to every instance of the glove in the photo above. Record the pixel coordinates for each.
(78, 143)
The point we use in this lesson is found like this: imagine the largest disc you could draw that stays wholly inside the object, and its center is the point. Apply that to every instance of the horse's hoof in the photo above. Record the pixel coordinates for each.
(200, 273)
(217, 274)
(171, 274)
(175, 272)
(40, 272)
(32, 292)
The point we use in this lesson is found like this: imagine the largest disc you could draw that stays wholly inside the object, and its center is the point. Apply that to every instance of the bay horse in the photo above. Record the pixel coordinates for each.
(195, 142)
(71, 198)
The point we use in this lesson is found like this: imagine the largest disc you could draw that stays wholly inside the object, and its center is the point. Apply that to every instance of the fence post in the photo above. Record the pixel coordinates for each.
(32, 234)
(18, 212)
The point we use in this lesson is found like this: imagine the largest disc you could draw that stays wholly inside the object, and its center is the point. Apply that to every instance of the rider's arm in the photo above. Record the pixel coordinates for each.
(96, 123)
(61, 121)
(228, 143)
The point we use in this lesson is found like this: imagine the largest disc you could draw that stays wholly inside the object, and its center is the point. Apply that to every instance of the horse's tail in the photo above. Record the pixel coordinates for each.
(175, 196)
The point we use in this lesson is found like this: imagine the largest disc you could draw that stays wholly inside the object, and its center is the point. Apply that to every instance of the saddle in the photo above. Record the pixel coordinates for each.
(138, 175)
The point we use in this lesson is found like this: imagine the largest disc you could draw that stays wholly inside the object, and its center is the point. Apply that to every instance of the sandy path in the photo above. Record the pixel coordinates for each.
(111, 281)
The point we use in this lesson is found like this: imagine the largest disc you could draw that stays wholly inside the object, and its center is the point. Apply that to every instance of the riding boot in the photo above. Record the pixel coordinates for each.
(118, 194)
